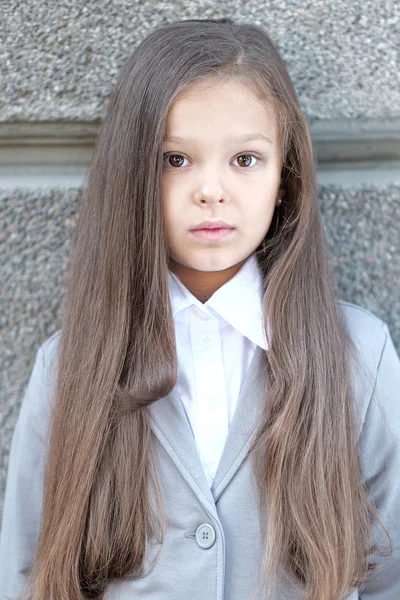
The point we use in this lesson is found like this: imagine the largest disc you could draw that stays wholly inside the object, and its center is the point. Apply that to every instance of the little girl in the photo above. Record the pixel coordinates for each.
(210, 422)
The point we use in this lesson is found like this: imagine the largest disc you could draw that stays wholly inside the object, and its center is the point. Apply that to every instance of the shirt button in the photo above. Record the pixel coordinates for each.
(207, 342)
(213, 402)
(205, 536)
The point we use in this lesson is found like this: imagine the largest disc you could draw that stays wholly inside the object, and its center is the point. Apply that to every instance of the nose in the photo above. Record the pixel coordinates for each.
(210, 190)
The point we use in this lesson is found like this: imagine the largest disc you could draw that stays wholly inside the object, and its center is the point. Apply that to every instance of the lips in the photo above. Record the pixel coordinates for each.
(212, 225)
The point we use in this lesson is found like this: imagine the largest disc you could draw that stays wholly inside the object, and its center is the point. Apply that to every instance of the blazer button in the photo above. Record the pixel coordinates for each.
(205, 536)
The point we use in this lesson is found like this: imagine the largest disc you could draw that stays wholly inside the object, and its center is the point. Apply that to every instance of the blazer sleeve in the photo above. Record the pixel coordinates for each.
(380, 462)
(24, 486)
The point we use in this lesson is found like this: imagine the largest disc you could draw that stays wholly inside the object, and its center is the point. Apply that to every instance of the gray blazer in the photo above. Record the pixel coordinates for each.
(212, 548)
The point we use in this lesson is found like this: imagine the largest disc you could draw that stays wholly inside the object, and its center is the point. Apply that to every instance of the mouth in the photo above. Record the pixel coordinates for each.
(216, 224)
(212, 233)
(212, 230)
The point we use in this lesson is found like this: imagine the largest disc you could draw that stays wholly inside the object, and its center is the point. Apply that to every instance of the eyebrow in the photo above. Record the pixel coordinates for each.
(241, 139)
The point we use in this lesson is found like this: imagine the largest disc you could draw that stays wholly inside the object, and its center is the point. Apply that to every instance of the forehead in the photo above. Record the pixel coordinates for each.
(228, 107)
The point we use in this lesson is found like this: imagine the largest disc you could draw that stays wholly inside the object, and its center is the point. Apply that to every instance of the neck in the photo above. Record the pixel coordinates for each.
(203, 284)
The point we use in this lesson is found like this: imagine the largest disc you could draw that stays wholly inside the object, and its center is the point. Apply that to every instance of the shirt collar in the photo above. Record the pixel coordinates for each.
(238, 301)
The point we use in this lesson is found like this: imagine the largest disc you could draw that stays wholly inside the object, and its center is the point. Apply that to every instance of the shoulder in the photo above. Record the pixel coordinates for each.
(49, 348)
(362, 323)
(376, 371)
(47, 355)
(48, 351)
(368, 332)
(38, 393)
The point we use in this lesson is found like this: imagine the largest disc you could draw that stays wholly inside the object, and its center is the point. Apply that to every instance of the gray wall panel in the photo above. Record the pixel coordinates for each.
(60, 59)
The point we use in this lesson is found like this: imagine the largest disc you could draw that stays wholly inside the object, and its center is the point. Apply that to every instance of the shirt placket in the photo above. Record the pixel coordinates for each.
(210, 390)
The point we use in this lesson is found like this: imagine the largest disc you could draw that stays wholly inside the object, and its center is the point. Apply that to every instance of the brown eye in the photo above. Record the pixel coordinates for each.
(174, 160)
(247, 161)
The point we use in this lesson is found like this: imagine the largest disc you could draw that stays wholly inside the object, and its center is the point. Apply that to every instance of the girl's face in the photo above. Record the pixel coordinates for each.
(222, 161)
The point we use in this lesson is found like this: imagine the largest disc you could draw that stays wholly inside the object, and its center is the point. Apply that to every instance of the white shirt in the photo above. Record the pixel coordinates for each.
(215, 343)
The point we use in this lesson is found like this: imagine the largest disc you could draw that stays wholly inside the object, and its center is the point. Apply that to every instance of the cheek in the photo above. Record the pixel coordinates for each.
(168, 207)
(175, 203)
(172, 222)
(168, 221)
(259, 213)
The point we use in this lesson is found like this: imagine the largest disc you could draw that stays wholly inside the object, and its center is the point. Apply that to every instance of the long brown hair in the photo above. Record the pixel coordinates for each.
(117, 349)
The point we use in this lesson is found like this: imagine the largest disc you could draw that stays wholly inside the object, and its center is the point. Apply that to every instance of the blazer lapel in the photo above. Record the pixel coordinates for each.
(243, 425)
(171, 426)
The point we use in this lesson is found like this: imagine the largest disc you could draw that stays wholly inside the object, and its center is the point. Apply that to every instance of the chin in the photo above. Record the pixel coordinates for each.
(209, 262)
(214, 265)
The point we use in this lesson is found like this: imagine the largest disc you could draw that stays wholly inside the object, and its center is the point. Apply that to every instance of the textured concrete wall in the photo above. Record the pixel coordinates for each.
(60, 58)
(59, 62)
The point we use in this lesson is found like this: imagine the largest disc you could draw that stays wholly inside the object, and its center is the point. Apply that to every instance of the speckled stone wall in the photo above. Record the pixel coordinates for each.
(60, 60)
